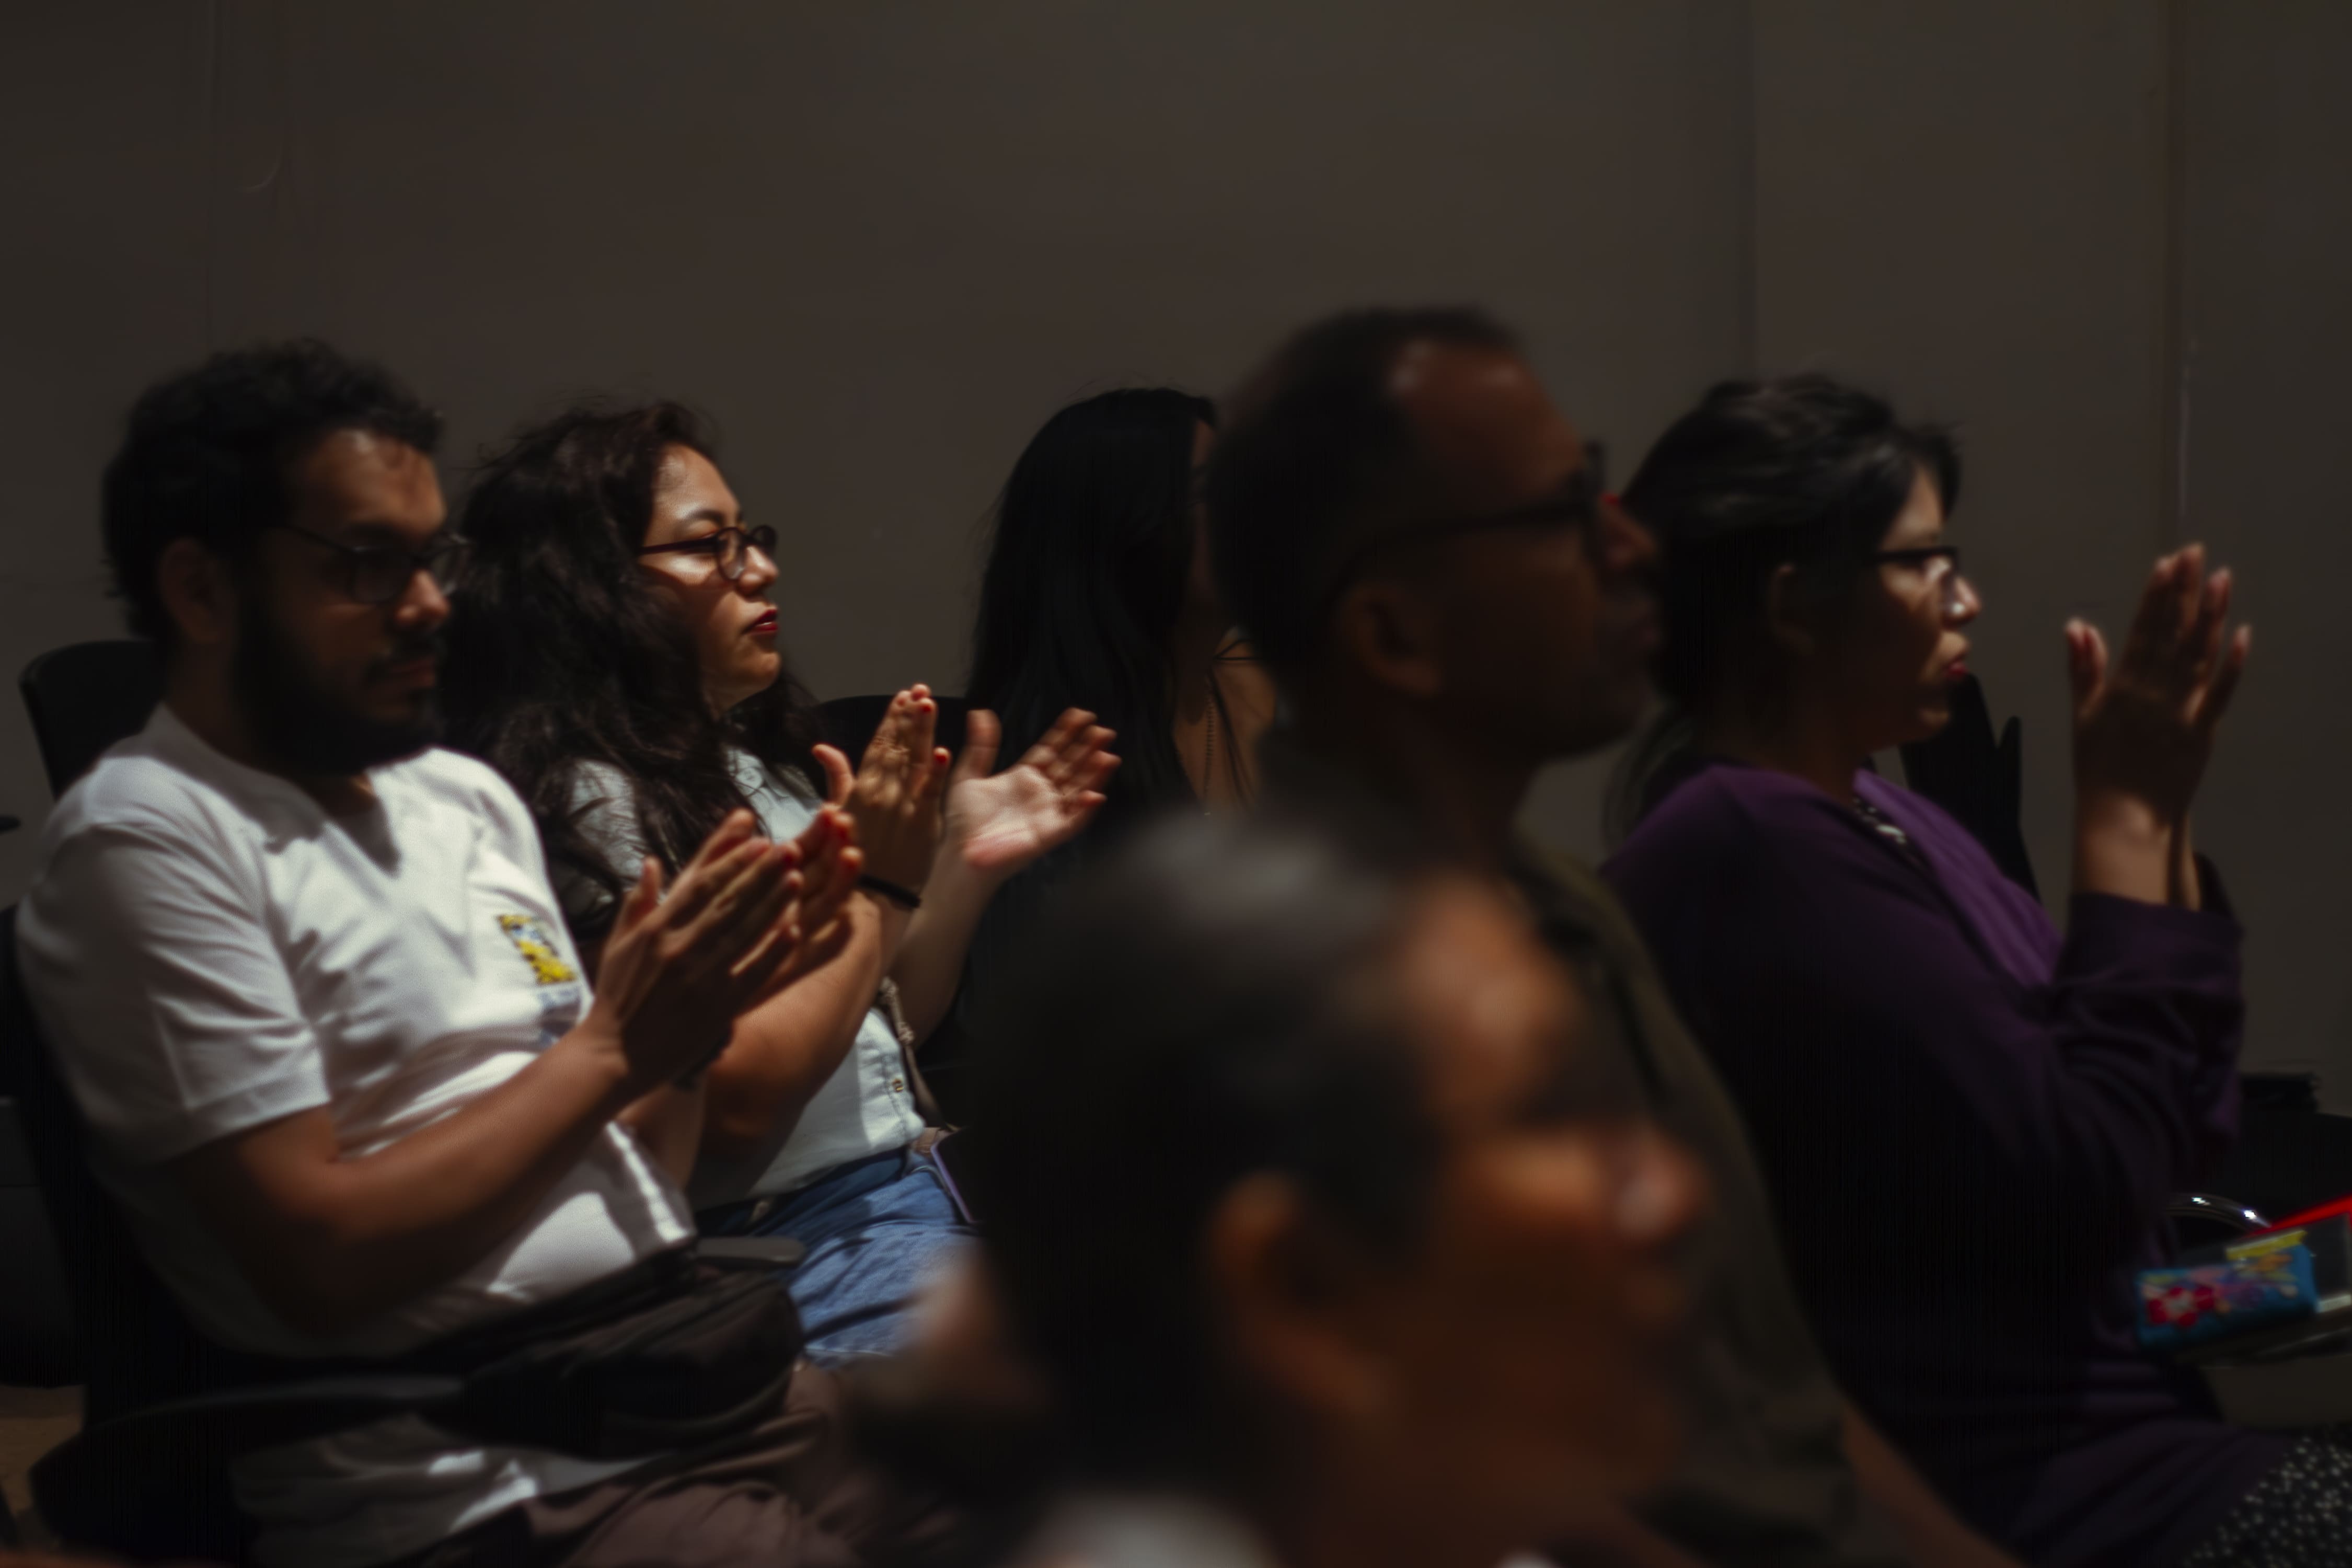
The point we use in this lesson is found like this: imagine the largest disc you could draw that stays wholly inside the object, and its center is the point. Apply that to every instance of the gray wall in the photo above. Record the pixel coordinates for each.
(880, 243)
(2265, 350)
(2111, 239)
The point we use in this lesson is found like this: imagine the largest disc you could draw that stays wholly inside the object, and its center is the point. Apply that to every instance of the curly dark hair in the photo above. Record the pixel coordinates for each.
(561, 653)
(205, 453)
(1309, 440)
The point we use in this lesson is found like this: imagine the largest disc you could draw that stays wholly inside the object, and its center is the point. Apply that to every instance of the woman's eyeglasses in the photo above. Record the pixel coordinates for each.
(379, 573)
(729, 547)
(1941, 562)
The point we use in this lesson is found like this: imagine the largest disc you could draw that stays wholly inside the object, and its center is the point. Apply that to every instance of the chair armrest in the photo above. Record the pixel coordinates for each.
(750, 1251)
(238, 1420)
(2228, 1213)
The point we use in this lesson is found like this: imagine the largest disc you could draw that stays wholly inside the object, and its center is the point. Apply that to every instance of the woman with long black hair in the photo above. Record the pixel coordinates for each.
(614, 653)
(1098, 595)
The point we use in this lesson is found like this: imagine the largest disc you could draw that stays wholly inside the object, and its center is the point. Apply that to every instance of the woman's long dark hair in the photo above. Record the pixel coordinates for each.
(561, 653)
(1801, 470)
(1086, 569)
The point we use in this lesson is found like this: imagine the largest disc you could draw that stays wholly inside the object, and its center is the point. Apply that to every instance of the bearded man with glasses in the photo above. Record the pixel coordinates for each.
(339, 1061)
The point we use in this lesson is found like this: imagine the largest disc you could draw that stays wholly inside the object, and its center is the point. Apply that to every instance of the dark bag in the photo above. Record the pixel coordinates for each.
(666, 1355)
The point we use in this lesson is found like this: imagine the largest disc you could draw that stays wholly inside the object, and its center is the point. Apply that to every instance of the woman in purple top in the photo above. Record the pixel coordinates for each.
(1971, 1123)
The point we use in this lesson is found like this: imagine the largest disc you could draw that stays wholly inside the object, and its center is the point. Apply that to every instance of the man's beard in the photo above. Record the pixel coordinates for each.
(301, 729)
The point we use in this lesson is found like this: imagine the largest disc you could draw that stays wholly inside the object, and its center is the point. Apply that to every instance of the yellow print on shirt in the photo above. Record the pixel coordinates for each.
(547, 965)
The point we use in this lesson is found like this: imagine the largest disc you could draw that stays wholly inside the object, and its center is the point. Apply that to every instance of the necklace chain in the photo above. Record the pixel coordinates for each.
(1887, 828)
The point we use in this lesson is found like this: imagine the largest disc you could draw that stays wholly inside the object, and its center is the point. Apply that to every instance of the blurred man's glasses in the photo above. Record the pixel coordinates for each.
(379, 573)
(1941, 562)
(1576, 506)
(729, 547)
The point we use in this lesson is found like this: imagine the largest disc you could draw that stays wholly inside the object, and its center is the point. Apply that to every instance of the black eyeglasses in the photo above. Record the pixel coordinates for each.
(379, 573)
(1578, 506)
(1941, 562)
(1919, 556)
(730, 547)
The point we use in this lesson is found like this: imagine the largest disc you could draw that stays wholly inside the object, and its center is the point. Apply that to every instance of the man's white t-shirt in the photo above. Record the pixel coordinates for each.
(208, 950)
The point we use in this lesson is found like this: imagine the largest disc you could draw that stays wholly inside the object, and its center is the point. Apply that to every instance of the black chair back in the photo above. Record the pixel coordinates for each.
(850, 722)
(82, 699)
(137, 1347)
(85, 697)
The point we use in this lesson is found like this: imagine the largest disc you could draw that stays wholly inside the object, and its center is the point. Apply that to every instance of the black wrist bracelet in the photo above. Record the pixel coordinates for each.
(905, 898)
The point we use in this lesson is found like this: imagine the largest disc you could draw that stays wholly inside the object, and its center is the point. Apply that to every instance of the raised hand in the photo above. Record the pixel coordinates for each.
(830, 864)
(677, 970)
(893, 796)
(1000, 823)
(2144, 726)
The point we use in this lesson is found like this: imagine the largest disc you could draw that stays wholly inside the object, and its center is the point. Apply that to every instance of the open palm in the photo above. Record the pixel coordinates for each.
(1000, 823)
(2144, 723)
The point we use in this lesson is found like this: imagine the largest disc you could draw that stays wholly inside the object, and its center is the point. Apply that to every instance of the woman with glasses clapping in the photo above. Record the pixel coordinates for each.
(1970, 1120)
(613, 652)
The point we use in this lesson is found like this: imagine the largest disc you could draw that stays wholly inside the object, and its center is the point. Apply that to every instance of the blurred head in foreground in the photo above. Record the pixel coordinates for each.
(1307, 1191)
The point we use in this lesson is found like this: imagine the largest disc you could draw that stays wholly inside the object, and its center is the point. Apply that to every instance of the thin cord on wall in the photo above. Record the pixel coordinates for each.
(2177, 335)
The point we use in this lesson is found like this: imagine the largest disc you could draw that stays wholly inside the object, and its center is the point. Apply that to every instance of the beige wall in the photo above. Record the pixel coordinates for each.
(881, 242)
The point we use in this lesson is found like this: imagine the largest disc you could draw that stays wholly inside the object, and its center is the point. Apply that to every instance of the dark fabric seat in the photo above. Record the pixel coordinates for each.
(85, 697)
(2287, 1160)
(137, 1349)
(81, 699)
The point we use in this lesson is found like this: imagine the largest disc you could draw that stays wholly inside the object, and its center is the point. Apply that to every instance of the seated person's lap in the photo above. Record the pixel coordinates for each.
(878, 1232)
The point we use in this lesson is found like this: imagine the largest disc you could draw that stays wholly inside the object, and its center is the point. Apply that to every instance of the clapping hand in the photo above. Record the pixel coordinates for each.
(676, 970)
(999, 822)
(894, 795)
(2144, 725)
(830, 863)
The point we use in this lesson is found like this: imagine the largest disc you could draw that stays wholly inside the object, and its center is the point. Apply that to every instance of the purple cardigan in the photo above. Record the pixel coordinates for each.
(1970, 1126)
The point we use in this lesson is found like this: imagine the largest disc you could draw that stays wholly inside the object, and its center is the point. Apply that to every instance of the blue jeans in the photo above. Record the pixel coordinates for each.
(876, 1231)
